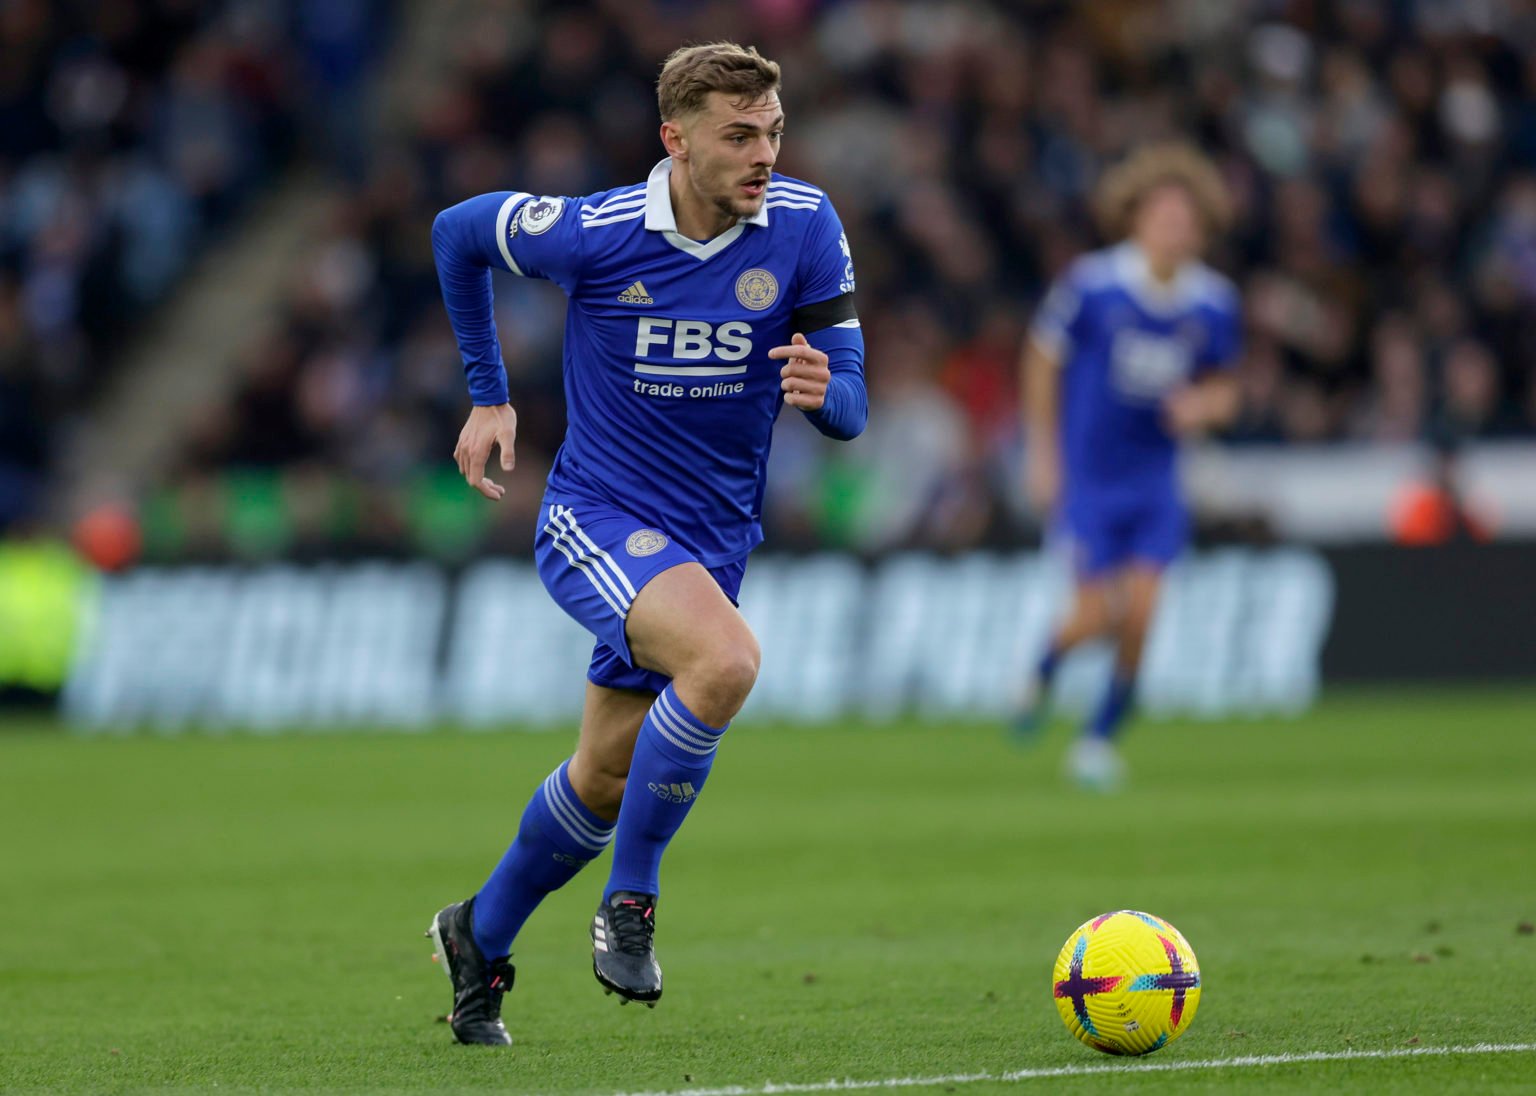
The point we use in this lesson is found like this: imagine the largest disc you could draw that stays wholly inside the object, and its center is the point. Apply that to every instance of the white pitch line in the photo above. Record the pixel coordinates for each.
(1246, 1062)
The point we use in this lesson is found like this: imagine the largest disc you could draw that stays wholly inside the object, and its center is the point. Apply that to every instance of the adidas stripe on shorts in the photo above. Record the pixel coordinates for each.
(593, 560)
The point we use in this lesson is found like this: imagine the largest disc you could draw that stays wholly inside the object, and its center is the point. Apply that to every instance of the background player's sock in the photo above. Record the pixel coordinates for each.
(555, 840)
(1045, 670)
(1112, 709)
(1032, 701)
(672, 757)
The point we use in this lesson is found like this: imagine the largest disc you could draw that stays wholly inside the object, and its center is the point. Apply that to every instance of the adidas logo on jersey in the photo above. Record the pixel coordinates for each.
(636, 294)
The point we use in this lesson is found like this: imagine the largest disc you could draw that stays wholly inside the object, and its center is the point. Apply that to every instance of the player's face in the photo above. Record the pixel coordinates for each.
(1168, 225)
(732, 147)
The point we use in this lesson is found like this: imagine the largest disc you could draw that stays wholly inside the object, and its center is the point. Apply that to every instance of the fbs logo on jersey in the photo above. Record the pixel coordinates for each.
(674, 793)
(636, 294)
(757, 289)
(541, 214)
(645, 542)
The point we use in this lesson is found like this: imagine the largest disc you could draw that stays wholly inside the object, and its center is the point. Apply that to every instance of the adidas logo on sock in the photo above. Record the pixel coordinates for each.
(675, 793)
(636, 294)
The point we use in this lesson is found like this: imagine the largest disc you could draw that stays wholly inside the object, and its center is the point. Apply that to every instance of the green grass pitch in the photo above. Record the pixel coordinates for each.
(245, 914)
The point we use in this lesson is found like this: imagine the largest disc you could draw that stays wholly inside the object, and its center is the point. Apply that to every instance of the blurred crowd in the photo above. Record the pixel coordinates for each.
(1382, 154)
(130, 135)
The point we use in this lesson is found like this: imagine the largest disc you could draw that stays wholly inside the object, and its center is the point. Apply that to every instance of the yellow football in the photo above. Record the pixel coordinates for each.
(1127, 983)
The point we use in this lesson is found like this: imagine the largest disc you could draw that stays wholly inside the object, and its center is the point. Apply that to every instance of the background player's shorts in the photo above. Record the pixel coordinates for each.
(1104, 538)
(593, 561)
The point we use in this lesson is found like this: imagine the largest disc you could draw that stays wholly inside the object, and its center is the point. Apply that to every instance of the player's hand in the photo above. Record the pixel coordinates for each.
(1185, 413)
(486, 427)
(1042, 482)
(805, 374)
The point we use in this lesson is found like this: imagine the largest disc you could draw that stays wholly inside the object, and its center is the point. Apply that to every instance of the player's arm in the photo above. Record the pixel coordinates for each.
(823, 372)
(1040, 384)
(1207, 405)
(844, 411)
(1212, 399)
(464, 245)
(1058, 324)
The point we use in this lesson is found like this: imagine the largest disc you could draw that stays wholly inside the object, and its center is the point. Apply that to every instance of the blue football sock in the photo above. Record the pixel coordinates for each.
(1048, 663)
(557, 837)
(672, 758)
(1111, 712)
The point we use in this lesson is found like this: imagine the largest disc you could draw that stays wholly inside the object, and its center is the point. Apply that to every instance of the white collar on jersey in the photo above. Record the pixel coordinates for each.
(1134, 273)
(660, 218)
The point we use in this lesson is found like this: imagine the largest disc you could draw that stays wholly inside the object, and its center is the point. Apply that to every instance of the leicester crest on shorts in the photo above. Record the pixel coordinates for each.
(757, 289)
(645, 542)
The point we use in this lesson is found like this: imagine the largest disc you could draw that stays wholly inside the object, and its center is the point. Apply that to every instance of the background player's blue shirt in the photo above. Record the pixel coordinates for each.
(670, 393)
(1124, 342)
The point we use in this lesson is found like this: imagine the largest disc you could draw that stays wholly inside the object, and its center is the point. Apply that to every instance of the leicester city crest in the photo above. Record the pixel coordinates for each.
(645, 542)
(757, 289)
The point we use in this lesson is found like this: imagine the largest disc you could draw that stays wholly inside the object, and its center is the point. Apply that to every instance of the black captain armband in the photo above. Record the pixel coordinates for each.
(827, 313)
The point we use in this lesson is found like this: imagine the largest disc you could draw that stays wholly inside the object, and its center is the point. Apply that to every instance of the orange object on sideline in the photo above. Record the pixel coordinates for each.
(109, 537)
(1426, 514)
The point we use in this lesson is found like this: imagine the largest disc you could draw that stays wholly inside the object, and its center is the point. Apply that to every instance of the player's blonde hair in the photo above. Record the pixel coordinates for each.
(689, 74)
(1123, 187)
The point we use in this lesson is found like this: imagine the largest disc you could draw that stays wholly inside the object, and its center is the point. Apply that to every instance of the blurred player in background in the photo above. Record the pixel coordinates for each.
(1132, 350)
(701, 301)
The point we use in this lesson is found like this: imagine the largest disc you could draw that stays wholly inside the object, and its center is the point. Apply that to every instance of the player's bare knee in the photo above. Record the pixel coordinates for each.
(739, 667)
(731, 675)
(717, 685)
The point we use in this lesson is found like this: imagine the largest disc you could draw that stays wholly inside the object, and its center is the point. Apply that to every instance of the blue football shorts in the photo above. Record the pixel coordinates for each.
(593, 560)
(1107, 537)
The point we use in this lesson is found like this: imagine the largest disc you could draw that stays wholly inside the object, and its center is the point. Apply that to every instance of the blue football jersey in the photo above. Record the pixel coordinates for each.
(670, 394)
(1125, 342)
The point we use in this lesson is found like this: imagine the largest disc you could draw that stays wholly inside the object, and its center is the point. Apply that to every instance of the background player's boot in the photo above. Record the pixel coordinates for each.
(623, 957)
(1095, 764)
(478, 986)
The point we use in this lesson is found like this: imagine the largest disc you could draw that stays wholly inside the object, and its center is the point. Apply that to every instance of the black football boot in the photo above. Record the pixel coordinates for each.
(623, 957)
(478, 986)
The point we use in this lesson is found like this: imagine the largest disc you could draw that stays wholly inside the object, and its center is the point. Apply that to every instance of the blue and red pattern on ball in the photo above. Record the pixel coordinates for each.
(1179, 980)
(1122, 946)
(1079, 989)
